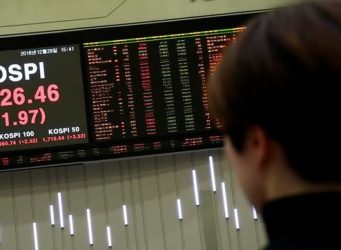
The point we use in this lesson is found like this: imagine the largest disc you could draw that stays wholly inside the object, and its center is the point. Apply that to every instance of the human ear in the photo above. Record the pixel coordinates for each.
(258, 147)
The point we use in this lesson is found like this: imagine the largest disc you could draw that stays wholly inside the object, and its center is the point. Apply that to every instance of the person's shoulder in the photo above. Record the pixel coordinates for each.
(300, 244)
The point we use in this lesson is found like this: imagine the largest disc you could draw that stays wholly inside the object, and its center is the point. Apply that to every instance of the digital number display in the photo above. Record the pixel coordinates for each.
(42, 101)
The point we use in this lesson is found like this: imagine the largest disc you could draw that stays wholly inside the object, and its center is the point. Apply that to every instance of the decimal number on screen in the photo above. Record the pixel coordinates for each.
(18, 97)
(24, 117)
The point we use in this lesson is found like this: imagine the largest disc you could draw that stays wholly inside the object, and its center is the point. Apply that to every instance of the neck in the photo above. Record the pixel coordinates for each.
(283, 182)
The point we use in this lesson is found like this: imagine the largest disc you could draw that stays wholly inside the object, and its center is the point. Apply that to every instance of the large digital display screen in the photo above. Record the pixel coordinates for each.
(153, 86)
(77, 96)
(41, 98)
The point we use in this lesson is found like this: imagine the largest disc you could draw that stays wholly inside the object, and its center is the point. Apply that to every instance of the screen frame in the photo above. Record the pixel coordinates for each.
(95, 34)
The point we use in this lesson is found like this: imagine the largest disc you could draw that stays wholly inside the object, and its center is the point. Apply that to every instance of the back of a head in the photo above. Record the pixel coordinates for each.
(284, 75)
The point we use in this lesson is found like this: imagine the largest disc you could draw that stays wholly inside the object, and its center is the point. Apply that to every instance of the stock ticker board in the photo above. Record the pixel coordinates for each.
(112, 92)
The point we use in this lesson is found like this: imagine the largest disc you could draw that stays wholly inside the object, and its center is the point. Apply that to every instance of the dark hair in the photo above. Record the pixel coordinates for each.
(284, 75)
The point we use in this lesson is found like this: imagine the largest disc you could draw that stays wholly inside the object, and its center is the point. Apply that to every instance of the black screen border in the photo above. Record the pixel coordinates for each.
(102, 33)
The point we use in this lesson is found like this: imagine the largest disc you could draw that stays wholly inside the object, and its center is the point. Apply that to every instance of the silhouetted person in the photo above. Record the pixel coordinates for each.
(277, 94)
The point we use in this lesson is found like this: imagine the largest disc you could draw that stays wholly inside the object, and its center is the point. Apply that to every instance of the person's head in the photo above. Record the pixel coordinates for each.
(277, 94)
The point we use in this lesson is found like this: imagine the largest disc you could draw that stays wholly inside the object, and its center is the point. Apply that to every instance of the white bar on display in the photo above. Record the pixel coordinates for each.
(226, 209)
(213, 180)
(195, 185)
(35, 236)
(254, 213)
(125, 215)
(109, 236)
(61, 212)
(179, 209)
(72, 230)
(88, 215)
(236, 218)
(53, 222)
